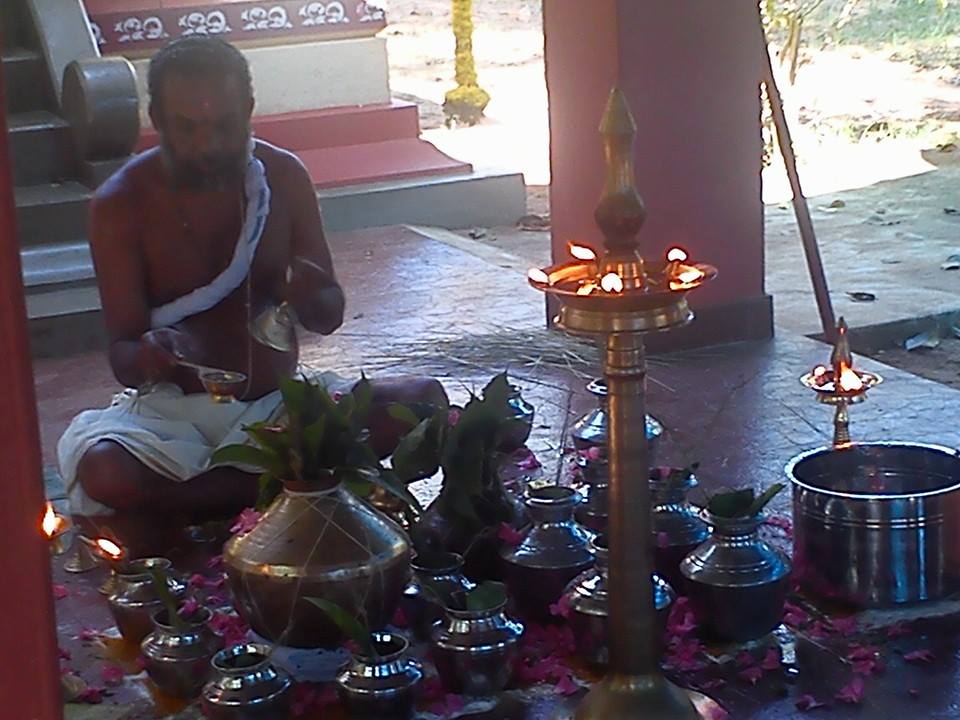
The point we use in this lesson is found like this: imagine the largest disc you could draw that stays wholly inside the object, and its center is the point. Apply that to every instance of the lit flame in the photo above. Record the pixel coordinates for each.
(51, 521)
(849, 380)
(587, 288)
(611, 283)
(582, 252)
(676, 254)
(538, 276)
(689, 276)
(109, 548)
(819, 371)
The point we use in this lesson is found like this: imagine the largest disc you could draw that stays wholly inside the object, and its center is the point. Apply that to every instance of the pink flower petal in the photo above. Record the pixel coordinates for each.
(88, 635)
(509, 536)
(771, 661)
(743, 659)
(751, 674)
(453, 416)
(528, 462)
(60, 591)
(807, 702)
(92, 695)
(561, 608)
(197, 581)
(919, 656)
(140, 663)
(852, 692)
(714, 684)
(112, 674)
(844, 626)
(566, 686)
(188, 607)
(64, 654)
(215, 563)
(245, 522)
(898, 629)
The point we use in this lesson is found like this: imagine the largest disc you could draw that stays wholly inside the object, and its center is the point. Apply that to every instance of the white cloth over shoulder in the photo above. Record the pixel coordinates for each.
(257, 192)
(171, 433)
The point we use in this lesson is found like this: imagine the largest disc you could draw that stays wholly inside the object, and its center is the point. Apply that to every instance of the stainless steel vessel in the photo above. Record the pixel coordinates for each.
(877, 524)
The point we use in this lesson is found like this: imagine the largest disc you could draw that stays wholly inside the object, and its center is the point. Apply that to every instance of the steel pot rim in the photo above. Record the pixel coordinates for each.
(790, 468)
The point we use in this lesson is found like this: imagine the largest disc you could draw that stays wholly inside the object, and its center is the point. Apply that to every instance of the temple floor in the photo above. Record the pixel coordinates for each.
(420, 306)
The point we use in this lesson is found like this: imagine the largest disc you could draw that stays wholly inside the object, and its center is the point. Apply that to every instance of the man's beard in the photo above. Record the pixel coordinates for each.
(215, 173)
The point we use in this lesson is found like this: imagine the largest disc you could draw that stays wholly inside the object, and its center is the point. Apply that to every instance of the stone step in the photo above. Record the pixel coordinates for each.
(12, 30)
(27, 86)
(65, 321)
(51, 213)
(41, 146)
(48, 267)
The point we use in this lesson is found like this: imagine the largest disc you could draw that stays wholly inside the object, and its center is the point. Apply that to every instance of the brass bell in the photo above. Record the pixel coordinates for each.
(275, 327)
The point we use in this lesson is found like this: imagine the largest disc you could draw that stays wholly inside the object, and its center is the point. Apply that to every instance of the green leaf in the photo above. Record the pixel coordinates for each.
(159, 579)
(761, 502)
(348, 625)
(294, 394)
(731, 504)
(416, 455)
(392, 484)
(403, 414)
(270, 487)
(313, 441)
(248, 455)
(486, 596)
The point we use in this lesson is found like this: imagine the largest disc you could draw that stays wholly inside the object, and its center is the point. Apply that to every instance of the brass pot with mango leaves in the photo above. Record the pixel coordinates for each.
(322, 543)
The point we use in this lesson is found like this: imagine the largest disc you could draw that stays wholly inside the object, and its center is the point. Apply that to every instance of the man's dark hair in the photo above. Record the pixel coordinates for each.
(197, 55)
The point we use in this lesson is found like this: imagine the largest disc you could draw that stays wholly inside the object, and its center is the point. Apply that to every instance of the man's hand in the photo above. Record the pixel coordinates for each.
(160, 349)
(316, 296)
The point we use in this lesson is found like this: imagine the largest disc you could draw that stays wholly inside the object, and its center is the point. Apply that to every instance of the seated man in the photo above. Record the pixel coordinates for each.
(190, 242)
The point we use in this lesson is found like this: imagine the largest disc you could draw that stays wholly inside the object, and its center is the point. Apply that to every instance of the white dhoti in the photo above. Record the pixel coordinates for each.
(171, 433)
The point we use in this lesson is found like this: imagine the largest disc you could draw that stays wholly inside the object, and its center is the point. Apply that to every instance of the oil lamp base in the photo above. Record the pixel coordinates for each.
(81, 561)
(623, 697)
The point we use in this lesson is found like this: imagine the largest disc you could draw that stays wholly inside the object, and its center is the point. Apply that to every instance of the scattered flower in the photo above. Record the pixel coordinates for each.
(681, 620)
(781, 522)
(528, 462)
(197, 581)
(509, 535)
(663, 540)
(246, 521)
(566, 686)
(215, 600)
(844, 626)
(713, 684)
(561, 608)
(898, 629)
(233, 628)
(919, 656)
(818, 630)
(140, 664)
(795, 616)
(808, 702)
(592, 453)
(661, 472)
(852, 692)
(91, 695)
(88, 635)
(751, 674)
(60, 591)
(453, 416)
(771, 661)
(188, 607)
(215, 563)
(64, 654)
(743, 659)
(112, 674)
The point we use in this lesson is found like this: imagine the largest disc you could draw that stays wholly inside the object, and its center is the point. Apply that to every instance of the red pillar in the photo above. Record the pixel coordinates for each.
(30, 684)
(691, 72)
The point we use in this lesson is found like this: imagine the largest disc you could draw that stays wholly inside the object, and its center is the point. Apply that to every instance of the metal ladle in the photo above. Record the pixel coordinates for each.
(275, 327)
(220, 384)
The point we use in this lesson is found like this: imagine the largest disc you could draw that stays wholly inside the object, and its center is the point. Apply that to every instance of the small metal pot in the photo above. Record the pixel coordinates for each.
(737, 583)
(133, 600)
(591, 429)
(443, 574)
(246, 686)
(178, 660)
(474, 649)
(519, 432)
(676, 526)
(876, 524)
(587, 598)
(594, 511)
(381, 688)
(552, 553)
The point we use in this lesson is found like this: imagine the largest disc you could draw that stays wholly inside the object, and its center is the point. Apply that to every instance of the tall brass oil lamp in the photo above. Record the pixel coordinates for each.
(841, 384)
(618, 295)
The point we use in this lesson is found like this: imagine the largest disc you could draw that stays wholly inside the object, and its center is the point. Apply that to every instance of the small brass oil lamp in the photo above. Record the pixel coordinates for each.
(55, 528)
(840, 384)
(617, 295)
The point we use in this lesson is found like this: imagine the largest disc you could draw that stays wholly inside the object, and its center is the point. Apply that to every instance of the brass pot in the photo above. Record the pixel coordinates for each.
(381, 687)
(134, 600)
(178, 660)
(325, 544)
(246, 686)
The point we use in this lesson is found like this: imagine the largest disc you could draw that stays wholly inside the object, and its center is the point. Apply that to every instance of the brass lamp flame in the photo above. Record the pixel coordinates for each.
(841, 384)
(54, 527)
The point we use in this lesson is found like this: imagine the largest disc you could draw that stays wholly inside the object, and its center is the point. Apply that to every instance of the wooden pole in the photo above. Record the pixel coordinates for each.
(30, 689)
(812, 251)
